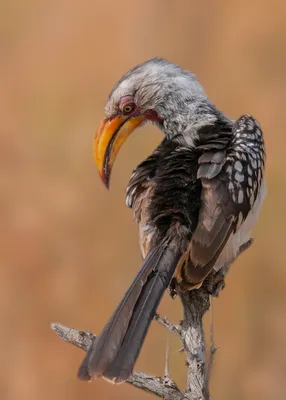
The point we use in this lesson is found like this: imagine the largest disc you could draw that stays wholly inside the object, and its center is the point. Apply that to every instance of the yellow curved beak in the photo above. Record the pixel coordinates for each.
(109, 137)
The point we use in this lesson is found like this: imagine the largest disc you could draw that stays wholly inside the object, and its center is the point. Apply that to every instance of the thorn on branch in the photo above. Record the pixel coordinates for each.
(212, 352)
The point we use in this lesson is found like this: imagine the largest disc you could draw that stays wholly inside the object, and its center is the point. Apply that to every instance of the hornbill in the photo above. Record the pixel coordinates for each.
(195, 199)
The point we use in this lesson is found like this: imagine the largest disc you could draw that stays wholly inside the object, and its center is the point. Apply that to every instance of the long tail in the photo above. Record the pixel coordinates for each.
(114, 352)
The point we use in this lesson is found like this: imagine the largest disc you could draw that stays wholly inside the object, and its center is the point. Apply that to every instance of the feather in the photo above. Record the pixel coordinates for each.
(130, 321)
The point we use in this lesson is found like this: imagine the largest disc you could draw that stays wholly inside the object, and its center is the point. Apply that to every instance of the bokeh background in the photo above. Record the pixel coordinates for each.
(68, 248)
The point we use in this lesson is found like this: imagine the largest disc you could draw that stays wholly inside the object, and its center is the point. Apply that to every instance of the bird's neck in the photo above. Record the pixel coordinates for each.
(193, 124)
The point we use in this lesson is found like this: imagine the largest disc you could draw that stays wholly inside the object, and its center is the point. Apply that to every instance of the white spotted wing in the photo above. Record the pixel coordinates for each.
(231, 181)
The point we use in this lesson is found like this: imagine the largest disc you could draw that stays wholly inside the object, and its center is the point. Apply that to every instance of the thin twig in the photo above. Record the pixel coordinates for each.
(175, 329)
(167, 369)
(212, 352)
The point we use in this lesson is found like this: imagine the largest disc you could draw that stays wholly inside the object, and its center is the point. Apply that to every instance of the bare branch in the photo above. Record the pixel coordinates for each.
(190, 331)
(156, 385)
(195, 304)
(81, 339)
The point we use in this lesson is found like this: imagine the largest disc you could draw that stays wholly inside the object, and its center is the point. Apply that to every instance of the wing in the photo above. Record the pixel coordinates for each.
(231, 180)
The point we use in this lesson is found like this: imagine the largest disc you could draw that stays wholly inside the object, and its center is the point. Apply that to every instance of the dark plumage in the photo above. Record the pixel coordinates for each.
(196, 198)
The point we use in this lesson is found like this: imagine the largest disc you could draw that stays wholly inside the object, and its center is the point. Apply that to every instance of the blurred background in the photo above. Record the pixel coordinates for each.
(61, 232)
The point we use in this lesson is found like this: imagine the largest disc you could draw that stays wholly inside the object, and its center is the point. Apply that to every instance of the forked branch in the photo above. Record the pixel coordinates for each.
(190, 331)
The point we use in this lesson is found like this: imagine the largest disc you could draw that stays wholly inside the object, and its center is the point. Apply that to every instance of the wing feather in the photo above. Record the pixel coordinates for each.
(231, 179)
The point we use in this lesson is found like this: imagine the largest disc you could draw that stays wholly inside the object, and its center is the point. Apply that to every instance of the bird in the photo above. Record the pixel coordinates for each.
(196, 198)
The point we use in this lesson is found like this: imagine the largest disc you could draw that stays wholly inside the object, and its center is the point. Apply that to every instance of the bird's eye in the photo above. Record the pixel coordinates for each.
(128, 108)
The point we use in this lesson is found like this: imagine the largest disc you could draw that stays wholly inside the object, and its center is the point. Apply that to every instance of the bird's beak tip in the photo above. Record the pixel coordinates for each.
(106, 182)
(104, 177)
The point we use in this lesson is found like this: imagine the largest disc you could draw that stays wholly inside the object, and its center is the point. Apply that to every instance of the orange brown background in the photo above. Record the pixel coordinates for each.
(68, 248)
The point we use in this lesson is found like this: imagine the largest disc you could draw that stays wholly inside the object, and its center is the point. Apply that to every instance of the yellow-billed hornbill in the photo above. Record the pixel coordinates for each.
(196, 198)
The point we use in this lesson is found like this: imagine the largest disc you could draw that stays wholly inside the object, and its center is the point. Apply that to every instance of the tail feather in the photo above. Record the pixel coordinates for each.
(104, 348)
(122, 366)
(115, 350)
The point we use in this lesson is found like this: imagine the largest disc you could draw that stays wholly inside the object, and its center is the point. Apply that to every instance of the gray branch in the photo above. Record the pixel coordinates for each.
(195, 304)
(190, 331)
(161, 386)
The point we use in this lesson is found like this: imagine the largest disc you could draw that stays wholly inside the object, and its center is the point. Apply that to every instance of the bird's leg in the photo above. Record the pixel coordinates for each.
(215, 282)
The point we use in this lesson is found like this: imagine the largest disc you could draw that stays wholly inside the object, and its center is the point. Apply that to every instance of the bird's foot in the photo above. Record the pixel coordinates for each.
(245, 246)
(214, 283)
(218, 285)
(173, 288)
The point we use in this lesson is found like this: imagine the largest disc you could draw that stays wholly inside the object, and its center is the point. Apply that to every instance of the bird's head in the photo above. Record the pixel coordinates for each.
(157, 91)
